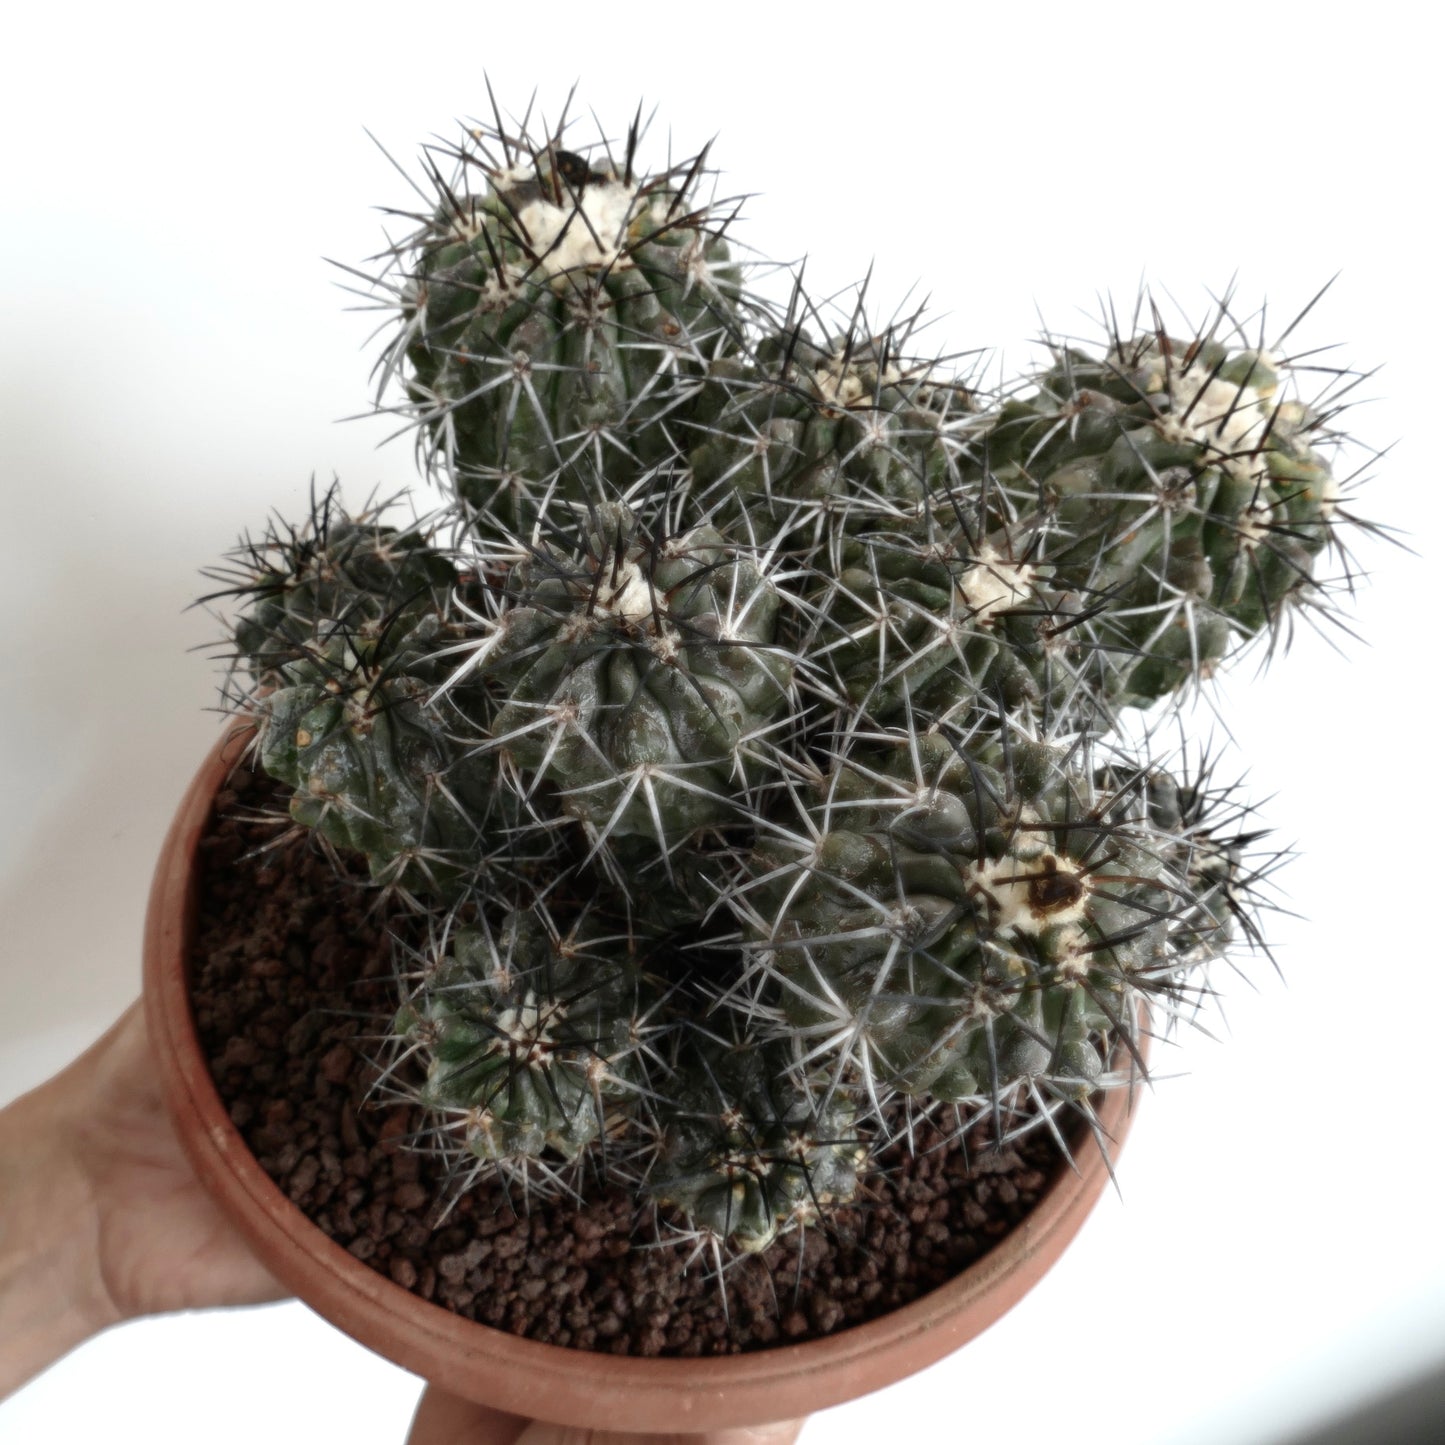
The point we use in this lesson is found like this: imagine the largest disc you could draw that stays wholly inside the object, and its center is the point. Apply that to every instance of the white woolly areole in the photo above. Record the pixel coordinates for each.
(1253, 525)
(993, 584)
(838, 385)
(588, 230)
(498, 291)
(1029, 843)
(623, 593)
(1074, 955)
(508, 178)
(525, 1025)
(1229, 420)
(1005, 886)
(841, 382)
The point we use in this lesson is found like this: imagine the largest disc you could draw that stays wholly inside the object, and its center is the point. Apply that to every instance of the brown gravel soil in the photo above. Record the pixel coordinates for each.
(292, 978)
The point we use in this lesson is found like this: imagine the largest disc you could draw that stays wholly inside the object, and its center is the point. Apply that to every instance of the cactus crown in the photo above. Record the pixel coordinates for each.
(750, 722)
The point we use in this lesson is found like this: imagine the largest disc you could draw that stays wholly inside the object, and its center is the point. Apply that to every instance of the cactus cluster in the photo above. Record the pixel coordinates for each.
(750, 722)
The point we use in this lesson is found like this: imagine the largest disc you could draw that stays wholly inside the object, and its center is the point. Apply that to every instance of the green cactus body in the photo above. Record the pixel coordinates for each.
(837, 436)
(345, 631)
(375, 768)
(918, 619)
(634, 672)
(1184, 492)
(560, 322)
(1213, 860)
(529, 1039)
(338, 570)
(957, 934)
(747, 1153)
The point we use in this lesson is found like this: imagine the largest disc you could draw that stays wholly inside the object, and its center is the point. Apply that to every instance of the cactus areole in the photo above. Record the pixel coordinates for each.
(757, 725)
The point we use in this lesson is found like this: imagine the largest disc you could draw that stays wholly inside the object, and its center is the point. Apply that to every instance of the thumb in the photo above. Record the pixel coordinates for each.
(783, 1433)
(443, 1419)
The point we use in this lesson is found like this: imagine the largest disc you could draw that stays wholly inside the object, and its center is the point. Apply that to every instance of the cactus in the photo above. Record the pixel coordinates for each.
(529, 1034)
(1183, 487)
(853, 427)
(748, 1152)
(960, 924)
(634, 668)
(556, 313)
(749, 723)
(343, 631)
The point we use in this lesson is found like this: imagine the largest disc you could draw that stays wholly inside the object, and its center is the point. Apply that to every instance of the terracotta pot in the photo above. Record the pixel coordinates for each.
(550, 1382)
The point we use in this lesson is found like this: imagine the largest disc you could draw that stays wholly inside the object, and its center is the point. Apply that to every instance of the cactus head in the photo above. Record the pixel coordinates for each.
(636, 667)
(555, 314)
(1188, 492)
(960, 923)
(748, 1151)
(345, 631)
(527, 1036)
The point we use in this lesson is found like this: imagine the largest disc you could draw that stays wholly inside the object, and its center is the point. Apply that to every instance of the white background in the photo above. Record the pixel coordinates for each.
(175, 357)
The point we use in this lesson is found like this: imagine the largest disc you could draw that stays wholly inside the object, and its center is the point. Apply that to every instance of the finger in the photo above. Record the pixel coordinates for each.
(785, 1432)
(124, 1044)
(120, 1068)
(443, 1419)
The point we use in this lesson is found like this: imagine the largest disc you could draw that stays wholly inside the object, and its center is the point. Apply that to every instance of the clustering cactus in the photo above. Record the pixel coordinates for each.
(748, 724)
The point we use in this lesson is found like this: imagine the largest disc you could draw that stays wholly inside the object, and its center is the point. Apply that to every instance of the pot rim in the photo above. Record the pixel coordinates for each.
(555, 1383)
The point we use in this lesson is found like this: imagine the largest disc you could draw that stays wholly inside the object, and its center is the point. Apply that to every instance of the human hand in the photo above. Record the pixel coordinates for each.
(102, 1218)
(443, 1419)
(162, 1243)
